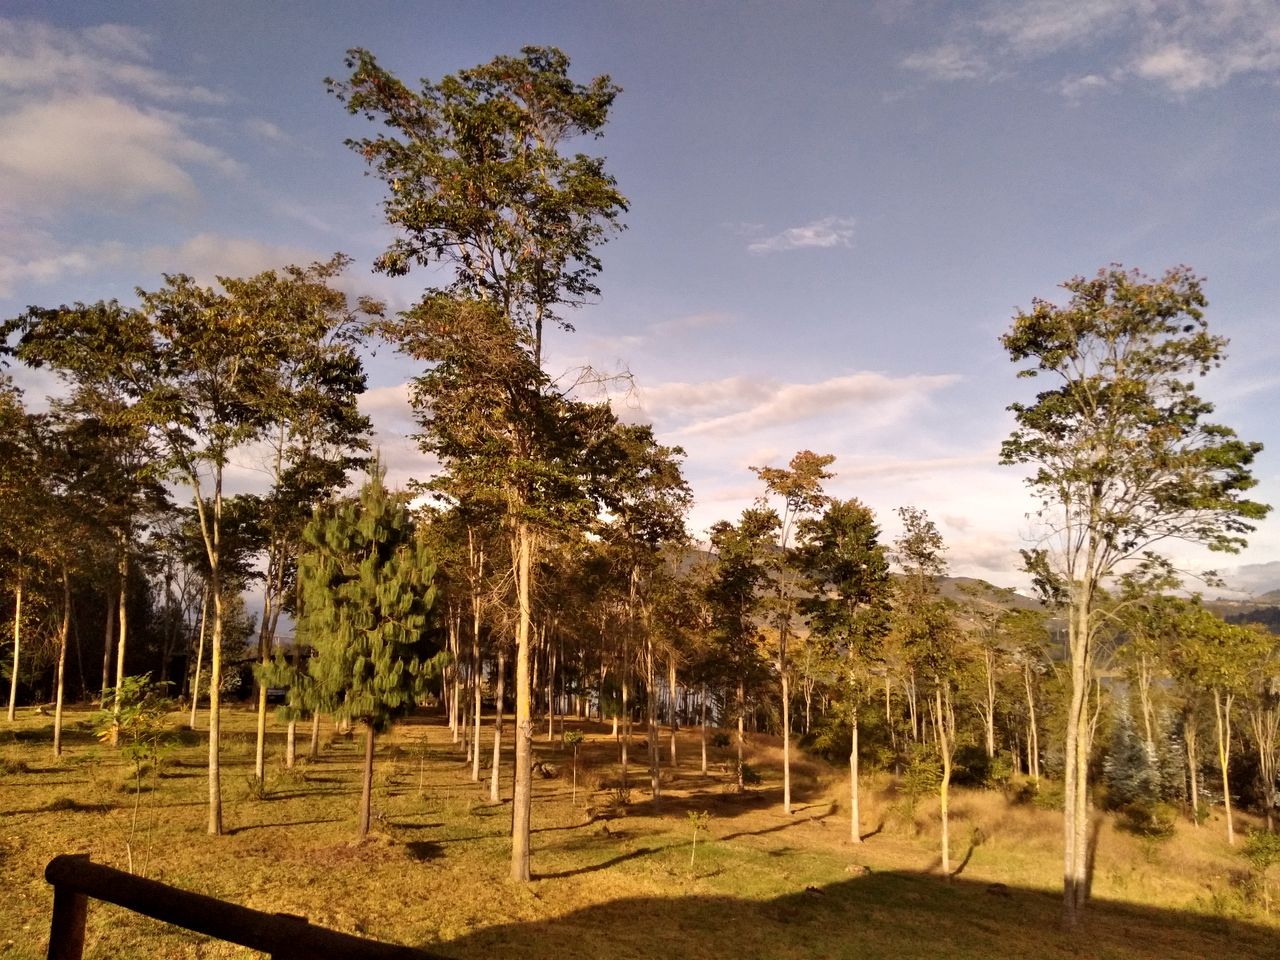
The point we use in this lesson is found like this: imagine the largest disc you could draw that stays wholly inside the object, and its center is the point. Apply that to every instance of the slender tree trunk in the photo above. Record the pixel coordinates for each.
(989, 715)
(366, 788)
(108, 642)
(215, 709)
(195, 688)
(475, 737)
(704, 729)
(1190, 737)
(63, 630)
(122, 634)
(522, 789)
(1033, 734)
(1076, 772)
(786, 720)
(625, 741)
(17, 645)
(499, 693)
(675, 721)
(888, 713)
(291, 744)
(855, 830)
(742, 739)
(944, 726)
(909, 687)
(1265, 721)
(313, 751)
(1222, 716)
(651, 707)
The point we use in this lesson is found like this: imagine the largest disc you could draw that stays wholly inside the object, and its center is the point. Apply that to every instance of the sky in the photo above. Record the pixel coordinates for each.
(835, 208)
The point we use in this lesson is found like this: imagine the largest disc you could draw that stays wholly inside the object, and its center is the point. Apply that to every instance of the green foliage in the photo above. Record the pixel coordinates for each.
(141, 727)
(367, 587)
(1147, 819)
(698, 820)
(921, 773)
(1129, 771)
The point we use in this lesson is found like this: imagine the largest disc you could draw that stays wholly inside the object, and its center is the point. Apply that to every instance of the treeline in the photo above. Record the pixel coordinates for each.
(550, 572)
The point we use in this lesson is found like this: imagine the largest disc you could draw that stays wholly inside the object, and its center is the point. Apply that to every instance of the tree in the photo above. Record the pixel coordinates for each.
(367, 587)
(732, 594)
(800, 487)
(1220, 657)
(197, 367)
(478, 180)
(1123, 459)
(846, 573)
(927, 633)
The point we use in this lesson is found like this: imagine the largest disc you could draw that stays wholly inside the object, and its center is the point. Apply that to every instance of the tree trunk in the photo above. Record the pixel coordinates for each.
(215, 704)
(786, 720)
(989, 714)
(498, 695)
(1222, 716)
(1033, 734)
(944, 730)
(1190, 737)
(195, 688)
(1075, 821)
(651, 708)
(475, 669)
(675, 722)
(63, 630)
(742, 710)
(122, 634)
(704, 729)
(366, 789)
(17, 646)
(855, 830)
(522, 789)
(313, 751)
(1265, 721)
(108, 641)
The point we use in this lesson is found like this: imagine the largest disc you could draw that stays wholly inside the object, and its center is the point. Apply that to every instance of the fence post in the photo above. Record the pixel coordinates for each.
(66, 930)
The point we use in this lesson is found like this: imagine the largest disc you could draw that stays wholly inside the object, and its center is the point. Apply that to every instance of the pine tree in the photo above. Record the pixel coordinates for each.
(367, 592)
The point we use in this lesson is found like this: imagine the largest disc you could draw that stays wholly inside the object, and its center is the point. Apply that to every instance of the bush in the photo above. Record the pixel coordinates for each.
(1151, 821)
(720, 739)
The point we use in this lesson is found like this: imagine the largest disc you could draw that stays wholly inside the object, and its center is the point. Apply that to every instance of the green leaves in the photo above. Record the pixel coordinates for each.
(1120, 447)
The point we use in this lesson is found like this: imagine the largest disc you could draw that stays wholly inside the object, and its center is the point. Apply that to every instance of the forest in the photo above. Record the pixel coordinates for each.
(533, 613)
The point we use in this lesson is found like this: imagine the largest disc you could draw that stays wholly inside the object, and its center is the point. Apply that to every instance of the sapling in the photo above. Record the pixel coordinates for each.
(698, 820)
(573, 740)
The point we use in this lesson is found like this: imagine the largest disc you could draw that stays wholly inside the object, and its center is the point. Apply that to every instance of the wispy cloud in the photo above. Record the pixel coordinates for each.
(1176, 46)
(826, 232)
(84, 114)
(738, 405)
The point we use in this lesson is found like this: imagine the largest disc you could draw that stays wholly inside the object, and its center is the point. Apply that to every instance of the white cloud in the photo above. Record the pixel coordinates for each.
(949, 61)
(266, 130)
(58, 152)
(827, 232)
(85, 117)
(738, 405)
(1177, 46)
(207, 256)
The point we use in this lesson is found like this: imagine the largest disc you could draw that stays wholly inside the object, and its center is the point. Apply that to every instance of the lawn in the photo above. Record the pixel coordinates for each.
(611, 880)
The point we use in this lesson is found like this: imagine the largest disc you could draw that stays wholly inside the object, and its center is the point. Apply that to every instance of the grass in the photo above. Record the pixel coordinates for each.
(609, 881)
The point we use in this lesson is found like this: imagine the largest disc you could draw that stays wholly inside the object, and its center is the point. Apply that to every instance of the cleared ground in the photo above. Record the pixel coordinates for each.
(610, 880)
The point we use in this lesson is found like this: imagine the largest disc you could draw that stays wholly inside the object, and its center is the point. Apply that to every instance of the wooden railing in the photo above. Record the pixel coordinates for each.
(283, 936)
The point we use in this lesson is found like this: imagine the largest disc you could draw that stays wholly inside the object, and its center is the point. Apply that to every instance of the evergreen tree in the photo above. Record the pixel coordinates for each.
(367, 593)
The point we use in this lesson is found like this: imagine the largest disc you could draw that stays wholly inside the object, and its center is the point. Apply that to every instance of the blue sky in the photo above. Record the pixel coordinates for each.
(835, 207)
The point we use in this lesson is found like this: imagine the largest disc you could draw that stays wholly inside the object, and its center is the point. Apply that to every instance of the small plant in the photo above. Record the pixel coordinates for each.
(1150, 821)
(620, 797)
(749, 775)
(720, 739)
(137, 725)
(256, 788)
(573, 740)
(1262, 851)
(698, 820)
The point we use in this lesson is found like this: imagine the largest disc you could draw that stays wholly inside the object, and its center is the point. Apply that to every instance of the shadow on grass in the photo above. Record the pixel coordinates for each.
(605, 865)
(881, 915)
(424, 850)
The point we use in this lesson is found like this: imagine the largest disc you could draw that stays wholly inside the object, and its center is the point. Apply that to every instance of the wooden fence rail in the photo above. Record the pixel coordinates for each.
(283, 936)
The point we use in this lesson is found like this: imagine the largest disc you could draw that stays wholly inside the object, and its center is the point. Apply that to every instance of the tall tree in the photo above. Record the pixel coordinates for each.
(846, 574)
(927, 632)
(313, 431)
(733, 600)
(1123, 459)
(479, 181)
(799, 485)
(367, 584)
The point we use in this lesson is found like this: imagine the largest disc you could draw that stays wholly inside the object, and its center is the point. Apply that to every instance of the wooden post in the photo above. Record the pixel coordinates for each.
(66, 930)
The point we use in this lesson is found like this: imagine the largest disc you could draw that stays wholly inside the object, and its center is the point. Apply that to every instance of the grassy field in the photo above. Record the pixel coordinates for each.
(610, 881)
